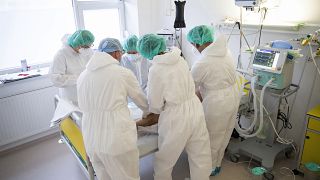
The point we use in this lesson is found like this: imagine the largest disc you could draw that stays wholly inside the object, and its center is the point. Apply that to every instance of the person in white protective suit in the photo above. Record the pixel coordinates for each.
(135, 62)
(69, 62)
(171, 93)
(215, 78)
(109, 134)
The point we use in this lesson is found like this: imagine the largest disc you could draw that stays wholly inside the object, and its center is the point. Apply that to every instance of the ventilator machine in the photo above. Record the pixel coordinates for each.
(272, 68)
(272, 63)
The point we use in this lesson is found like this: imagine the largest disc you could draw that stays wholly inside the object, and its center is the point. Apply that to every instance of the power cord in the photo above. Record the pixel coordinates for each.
(261, 26)
(313, 59)
(285, 174)
(285, 121)
(285, 118)
(180, 37)
(279, 138)
(175, 33)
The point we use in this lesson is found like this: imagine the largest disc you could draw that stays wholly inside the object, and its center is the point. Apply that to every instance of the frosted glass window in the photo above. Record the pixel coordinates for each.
(102, 23)
(32, 30)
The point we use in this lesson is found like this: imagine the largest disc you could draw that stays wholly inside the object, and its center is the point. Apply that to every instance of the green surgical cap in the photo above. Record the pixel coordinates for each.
(81, 38)
(200, 35)
(151, 45)
(130, 44)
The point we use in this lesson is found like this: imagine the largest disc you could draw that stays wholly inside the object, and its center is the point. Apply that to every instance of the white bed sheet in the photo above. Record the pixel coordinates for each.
(147, 136)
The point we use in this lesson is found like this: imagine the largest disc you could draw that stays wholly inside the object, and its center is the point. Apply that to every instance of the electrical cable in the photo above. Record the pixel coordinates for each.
(256, 32)
(250, 162)
(280, 139)
(231, 31)
(262, 107)
(291, 172)
(284, 118)
(239, 64)
(313, 60)
(241, 35)
(285, 121)
(261, 26)
(175, 32)
(241, 162)
(300, 79)
(299, 82)
(281, 170)
(238, 128)
(243, 132)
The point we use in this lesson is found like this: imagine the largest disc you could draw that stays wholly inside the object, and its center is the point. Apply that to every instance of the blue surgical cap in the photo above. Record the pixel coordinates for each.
(109, 45)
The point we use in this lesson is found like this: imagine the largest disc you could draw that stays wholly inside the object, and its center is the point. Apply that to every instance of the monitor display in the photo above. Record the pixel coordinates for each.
(266, 58)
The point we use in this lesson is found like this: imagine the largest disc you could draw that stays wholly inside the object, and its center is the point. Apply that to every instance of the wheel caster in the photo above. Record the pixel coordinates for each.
(234, 158)
(297, 172)
(268, 176)
(289, 154)
(61, 141)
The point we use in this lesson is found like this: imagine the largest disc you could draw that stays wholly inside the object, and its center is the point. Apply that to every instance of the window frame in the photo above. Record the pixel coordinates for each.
(80, 6)
(33, 66)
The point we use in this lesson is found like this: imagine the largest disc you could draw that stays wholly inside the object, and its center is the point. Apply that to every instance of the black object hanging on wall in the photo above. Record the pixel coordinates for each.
(179, 21)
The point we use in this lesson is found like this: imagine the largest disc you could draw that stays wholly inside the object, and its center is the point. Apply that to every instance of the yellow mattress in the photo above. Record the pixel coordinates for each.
(73, 134)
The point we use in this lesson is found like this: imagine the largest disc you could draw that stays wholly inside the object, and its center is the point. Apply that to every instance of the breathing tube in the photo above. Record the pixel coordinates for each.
(245, 132)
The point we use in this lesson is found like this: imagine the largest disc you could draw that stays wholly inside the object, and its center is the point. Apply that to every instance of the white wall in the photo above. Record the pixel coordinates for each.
(147, 14)
(131, 16)
(153, 15)
(139, 15)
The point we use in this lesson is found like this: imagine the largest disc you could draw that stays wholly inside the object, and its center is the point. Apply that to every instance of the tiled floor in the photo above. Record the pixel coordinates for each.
(48, 160)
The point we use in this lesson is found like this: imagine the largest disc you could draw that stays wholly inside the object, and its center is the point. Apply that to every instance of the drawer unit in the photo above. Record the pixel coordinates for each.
(310, 147)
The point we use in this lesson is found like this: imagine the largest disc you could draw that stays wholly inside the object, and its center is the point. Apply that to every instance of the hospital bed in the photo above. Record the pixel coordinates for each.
(68, 117)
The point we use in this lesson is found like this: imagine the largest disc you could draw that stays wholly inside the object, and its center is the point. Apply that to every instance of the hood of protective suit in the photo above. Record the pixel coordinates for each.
(217, 48)
(64, 39)
(69, 51)
(171, 57)
(99, 60)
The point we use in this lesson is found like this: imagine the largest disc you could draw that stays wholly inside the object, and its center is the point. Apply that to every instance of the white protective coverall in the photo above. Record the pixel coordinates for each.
(139, 66)
(215, 74)
(109, 134)
(171, 93)
(65, 70)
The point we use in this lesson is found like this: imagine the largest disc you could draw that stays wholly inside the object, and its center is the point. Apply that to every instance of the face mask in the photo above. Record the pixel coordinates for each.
(86, 52)
(133, 57)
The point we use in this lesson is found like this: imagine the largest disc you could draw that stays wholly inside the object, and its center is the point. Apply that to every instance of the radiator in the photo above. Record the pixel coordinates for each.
(26, 114)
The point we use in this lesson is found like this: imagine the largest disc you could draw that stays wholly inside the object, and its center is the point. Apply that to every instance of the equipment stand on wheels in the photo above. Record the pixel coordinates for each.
(266, 149)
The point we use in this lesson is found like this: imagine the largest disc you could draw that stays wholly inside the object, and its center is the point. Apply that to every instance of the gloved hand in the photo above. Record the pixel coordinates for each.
(149, 120)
